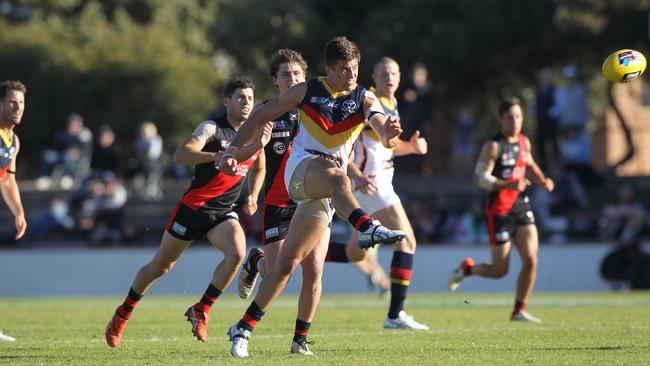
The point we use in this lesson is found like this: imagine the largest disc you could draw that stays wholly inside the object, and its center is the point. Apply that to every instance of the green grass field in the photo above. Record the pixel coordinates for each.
(578, 329)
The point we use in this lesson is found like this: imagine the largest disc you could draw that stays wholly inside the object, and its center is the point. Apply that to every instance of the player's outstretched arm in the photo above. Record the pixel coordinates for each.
(387, 128)
(11, 195)
(189, 151)
(415, 145)
(534, 172)
(275, 107)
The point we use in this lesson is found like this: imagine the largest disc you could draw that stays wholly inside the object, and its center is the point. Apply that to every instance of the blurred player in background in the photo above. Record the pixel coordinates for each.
(333, 111)
(12, 107)
(205, 209)
(287, 68)
(372, 176)
(504, 168)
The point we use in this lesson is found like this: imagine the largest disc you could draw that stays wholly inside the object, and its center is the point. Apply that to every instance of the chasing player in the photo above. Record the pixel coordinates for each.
(504, 168)
(205, 209)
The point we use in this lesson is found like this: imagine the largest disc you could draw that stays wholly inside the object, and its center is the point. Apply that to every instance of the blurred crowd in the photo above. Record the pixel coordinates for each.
(98, 175)
(103, 175)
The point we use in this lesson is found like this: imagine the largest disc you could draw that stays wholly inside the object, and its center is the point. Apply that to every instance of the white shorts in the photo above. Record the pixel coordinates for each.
(295, 185)
(372, 203)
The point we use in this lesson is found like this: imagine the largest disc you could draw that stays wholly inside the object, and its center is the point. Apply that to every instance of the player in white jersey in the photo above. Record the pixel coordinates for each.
(372, 174)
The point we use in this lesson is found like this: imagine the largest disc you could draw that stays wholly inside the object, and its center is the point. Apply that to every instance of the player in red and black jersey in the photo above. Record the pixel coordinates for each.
(287, 68)
(205, 209)
(504, 168)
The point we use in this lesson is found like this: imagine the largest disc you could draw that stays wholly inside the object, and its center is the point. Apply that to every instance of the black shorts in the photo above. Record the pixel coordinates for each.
(275, 222)
(501, 229)
(188, 224)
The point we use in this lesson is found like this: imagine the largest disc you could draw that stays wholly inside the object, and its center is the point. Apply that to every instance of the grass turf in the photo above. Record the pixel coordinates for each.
(578, 329)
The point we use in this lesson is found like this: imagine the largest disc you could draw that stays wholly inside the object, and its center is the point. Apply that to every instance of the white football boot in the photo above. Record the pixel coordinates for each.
(239, 338)
(404, 321)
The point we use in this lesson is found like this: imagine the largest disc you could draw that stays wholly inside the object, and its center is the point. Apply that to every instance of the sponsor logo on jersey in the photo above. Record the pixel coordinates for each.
(279, 124)
(272, 232)
(178, 228)
(531, 216)
(319, 100)
(280, 134)
(279, 148)
(7, 153)
(349, 106)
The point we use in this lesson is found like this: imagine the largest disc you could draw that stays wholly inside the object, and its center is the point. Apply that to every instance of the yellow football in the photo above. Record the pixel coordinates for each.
(624, 65)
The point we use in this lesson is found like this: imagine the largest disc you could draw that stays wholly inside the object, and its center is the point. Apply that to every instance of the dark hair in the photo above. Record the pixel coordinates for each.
(234, 84)
(341, 49)
(286, 56)
(507, 104)
(7, 85)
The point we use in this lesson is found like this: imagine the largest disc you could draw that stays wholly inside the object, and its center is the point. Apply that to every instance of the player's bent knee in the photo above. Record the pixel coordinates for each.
(286, 267)
(529, 262)
(500, 272)
(317, 209)
(339, 181)
(158, 270)
(236, 256)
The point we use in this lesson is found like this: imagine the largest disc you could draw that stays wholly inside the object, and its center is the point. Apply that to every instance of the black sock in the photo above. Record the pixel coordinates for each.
(252, 316)
(210, 295)
(302, 329)
(400, 278)
(360, 220)
(129, 304)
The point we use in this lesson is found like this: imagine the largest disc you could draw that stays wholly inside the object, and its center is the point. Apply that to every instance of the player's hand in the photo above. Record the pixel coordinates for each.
(364, 184)
(21, 226)
(419, 144)
(522, 184)
(265, 134)
(250, 206)
(228, 164)
(392, 128)
(549, 184)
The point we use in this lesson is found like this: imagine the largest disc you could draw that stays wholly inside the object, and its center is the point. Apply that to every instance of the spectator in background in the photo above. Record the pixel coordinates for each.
(572, 102)
(85, 205)
(624, 219)
(464, 141)
(146, 163)
(546, 112)
(415, 104)
(69, 158)
(109, 213)
(55, 221)
(106, 154)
